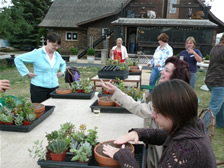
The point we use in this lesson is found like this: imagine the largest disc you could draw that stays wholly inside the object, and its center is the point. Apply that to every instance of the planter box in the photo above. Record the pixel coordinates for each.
(110, 74)
(23, 128)
(135, 73)
(139, 156)
(109, 109)
(73, 95)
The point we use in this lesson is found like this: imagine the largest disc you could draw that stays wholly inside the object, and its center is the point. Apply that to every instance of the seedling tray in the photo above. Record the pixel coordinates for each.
(73, 95)
(139, 156)
(28, 128)
(135, 73)
(113, 74)
(108, 109)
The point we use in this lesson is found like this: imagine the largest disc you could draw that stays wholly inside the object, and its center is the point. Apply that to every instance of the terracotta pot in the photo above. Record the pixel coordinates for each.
(133, 67)
(105, 92)
(105, 101)
(79, 90)
(25, 122)
(1, 122)
(58, 156)
(63, 91)
(135, 70)
(105, 161)
(8, 123)
(38, 109)
(117, 105)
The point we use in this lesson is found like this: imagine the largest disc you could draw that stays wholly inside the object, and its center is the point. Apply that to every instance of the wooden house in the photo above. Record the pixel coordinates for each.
(97, 23)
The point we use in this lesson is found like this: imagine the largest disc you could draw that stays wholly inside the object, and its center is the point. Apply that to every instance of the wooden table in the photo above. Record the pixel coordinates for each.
(131, 79)
(14, 145)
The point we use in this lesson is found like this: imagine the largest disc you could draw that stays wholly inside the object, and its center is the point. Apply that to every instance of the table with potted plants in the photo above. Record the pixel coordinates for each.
(54, 132)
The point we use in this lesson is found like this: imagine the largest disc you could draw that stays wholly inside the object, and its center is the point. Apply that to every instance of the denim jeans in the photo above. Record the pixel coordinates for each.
(217, 104)
(193, 79)
(155, 74)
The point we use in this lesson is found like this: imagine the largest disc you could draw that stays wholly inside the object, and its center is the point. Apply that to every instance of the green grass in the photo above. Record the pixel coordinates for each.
(20, 88)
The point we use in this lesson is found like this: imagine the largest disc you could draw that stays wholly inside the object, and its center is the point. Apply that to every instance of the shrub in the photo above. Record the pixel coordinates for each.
(91, 51)
(74, 51)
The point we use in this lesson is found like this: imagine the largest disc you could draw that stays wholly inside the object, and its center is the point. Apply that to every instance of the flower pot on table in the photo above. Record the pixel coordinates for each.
(38, 109)
(106, 161)
(58, 156)
(63, 91)
(105, 101)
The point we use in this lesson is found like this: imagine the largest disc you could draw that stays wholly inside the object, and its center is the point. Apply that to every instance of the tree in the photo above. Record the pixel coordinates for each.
(19, 22)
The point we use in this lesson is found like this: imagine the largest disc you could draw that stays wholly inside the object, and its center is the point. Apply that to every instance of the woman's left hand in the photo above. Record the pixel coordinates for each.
(59, 74)
(109, 150)
(190, 51)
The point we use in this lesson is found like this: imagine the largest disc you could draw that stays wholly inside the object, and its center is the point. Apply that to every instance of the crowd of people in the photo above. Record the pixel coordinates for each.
(176, 136)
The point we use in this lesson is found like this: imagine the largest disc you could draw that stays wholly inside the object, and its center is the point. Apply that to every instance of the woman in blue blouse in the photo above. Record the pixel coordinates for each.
(192, 56)
(163, 51)
(46, 63)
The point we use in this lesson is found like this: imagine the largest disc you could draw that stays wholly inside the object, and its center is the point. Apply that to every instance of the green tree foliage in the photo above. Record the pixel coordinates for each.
(19, 23)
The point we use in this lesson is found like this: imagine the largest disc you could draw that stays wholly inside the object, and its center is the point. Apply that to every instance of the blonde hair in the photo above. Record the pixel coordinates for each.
(221, 41)
(120, 39)
(191, 38)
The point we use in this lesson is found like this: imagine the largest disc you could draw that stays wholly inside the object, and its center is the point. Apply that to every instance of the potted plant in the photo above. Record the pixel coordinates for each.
(73, 54)
(38, 150)
(206, 60)
(135, 93)
(105, 101)
(91, 55)
(106, 161)
(58, 149)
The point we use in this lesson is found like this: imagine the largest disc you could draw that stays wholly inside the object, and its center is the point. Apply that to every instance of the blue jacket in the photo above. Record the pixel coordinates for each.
(46, 75)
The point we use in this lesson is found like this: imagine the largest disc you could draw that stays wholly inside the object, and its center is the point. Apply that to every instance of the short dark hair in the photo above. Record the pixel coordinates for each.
(54, 38)
(175, 99)
(182, 70)
(163, 37)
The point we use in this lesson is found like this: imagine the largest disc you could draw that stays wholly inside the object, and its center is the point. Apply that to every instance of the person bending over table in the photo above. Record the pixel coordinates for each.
(182, 135)
(174, 69)
(119, 52)
(46, 63)
(4, 84)
(192, 56)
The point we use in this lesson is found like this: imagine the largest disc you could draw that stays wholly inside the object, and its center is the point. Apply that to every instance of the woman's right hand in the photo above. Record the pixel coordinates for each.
(31, 75)
(131, 136)
(109, 86)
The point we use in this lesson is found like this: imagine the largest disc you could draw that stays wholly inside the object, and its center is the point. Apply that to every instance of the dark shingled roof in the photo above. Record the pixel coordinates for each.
(63, 13)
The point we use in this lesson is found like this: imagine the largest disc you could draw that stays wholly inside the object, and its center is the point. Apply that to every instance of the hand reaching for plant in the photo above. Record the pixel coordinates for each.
(131, 136)
(108, 86)
(110, 151)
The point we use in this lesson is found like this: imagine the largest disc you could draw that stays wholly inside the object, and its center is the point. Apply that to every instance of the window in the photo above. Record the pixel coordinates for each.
(71, 36)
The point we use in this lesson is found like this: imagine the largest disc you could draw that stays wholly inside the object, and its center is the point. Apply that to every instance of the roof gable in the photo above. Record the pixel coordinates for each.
(63, 13)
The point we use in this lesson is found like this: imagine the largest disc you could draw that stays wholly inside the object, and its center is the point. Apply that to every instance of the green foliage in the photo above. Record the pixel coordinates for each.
(19, 118)
(119, 84)
(19, 23)
(59, 50)
(207, 57)
(73, 51)
(57, 146)
(91, 51)
(83, 83)
(135, 93)
(38, 150)
(131, 63)
(121, 66)
(83, 153)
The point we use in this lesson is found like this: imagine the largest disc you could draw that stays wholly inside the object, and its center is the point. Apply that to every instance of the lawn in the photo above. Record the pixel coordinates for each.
(20, 88)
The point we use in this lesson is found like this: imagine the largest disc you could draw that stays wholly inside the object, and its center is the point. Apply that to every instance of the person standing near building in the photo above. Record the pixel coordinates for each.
(192, 56)
(46, 63)
(215, 82)
(119, 52)
(163, 51)
(132, 38)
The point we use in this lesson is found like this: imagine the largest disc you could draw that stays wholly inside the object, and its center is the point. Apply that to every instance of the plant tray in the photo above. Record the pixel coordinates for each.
(139, 156)
(28, 128)
(108, 109)
(73, 95)
(135, 73)
(113, 74)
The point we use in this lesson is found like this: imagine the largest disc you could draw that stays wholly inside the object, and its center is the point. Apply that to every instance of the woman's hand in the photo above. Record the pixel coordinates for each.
(4, 84)
(190, 51)
(109, 150)
(131, 136)
(31, 75)
(59, 74)
(109, 86)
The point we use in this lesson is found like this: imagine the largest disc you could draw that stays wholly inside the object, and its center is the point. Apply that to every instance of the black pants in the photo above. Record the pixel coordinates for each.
(39, 94)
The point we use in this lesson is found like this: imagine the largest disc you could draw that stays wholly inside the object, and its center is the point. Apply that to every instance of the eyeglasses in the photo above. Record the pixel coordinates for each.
(55, 45)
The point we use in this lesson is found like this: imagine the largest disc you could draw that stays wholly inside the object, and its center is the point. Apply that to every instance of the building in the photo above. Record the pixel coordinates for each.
(97, 23)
